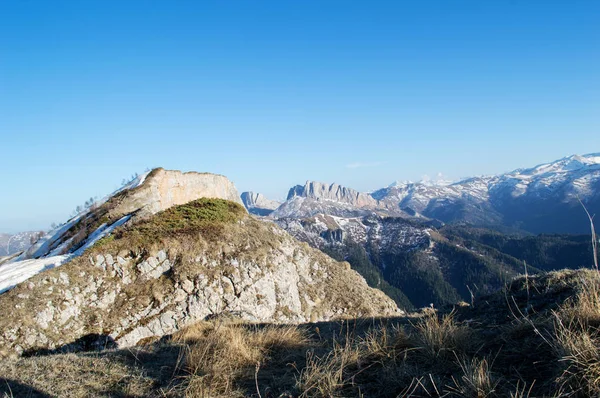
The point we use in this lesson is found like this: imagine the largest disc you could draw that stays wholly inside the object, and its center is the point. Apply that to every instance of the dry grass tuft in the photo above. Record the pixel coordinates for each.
(476, 380)
(219, 355)
(584, 307)
(576, 341)
(441, 338)
(72, 376)
(578, 352)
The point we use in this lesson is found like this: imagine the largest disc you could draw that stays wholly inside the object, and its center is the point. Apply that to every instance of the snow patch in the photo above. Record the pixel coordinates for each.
(12, 274)
(100, 233)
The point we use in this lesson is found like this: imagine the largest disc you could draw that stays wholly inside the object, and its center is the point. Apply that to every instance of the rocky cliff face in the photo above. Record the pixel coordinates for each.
(315, 198)
(258, 204)
(166, 188)
(333, 192)
(146, 281)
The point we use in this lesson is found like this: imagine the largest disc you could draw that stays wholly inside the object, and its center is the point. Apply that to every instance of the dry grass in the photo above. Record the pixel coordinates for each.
(578, 352)
(584, 306)
(221, 358)
(495, 349)
(72, 376)
(476, 380)
(390, 360)
(440, 338)
(576, 340)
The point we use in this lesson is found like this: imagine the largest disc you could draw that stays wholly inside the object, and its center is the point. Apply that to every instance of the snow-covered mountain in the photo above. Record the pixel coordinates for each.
(541, 199)
(14, 243)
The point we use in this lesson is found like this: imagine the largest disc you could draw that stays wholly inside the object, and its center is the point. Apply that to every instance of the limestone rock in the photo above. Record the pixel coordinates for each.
(319, 190)
(163, 189)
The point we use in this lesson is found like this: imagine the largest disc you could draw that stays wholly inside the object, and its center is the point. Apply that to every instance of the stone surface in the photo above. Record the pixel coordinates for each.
(166, 188)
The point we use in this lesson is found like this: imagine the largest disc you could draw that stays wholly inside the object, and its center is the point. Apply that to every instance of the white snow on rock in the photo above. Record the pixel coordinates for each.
(12, 274)
(42, 247)
(100, 233)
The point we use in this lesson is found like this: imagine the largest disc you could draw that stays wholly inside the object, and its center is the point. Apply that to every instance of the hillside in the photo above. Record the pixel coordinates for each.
(150, 278)
(421, 263)
(535, 338)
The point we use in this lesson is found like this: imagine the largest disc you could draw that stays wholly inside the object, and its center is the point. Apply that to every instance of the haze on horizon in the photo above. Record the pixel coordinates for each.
(272, 94)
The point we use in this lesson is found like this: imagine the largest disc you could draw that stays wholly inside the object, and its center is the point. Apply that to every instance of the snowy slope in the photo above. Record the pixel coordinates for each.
(14, 273)
(53, 250)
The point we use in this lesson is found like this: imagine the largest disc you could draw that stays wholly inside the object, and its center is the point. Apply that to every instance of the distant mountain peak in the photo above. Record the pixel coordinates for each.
(258, 204)
(439, 180)
(333, 192)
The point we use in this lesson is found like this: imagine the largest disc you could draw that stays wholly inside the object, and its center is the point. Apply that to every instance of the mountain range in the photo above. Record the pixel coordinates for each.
(438, 242)
(542, 199)
(178, 268)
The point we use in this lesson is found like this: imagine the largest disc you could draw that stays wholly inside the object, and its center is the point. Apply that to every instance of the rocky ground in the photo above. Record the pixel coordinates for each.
(535, 338)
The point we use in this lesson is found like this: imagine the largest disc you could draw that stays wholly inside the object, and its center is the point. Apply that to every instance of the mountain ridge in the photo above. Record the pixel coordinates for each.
(543, 198)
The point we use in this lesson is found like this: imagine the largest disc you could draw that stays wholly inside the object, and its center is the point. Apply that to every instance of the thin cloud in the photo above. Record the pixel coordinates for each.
(357, 165)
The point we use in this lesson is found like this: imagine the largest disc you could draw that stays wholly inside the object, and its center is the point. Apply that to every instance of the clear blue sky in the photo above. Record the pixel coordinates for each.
(273, 93)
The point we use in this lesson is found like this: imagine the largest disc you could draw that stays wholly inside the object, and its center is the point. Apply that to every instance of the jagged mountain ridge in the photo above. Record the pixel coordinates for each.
(541, 199)
(314, 198)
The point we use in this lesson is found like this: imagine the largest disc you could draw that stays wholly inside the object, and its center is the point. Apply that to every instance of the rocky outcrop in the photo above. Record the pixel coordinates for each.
(160, 189)
(163, 189)
(334, 192)
(249, 269)
(258, 204)
(314, 198)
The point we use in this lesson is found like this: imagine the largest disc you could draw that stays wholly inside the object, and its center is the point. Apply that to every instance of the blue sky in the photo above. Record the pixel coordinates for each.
(274, 93)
